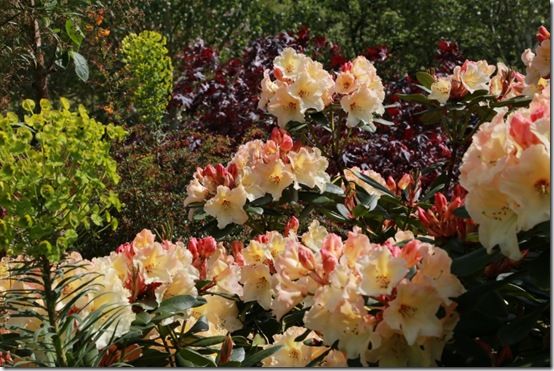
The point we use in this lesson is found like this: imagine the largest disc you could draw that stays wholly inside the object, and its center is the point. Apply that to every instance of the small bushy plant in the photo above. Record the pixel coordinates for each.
(55, 178)
(150, 74)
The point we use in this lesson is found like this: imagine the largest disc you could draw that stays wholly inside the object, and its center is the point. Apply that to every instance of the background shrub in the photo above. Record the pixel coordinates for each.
(150, 74)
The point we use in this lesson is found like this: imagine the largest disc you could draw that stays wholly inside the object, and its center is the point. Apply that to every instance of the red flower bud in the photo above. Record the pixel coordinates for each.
(542, 34)
(278, 73)
(292, 225)
(391, 184)
(192, 246)
(207, 246)
(441, 203)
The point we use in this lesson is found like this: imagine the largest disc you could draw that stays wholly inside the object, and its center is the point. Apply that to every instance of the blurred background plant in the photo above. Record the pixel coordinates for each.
(39, 39)
(149, 76)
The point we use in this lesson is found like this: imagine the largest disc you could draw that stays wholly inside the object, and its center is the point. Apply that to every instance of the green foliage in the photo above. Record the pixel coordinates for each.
(151, 74)
(485, 29)
(55, 174)
(44, 299)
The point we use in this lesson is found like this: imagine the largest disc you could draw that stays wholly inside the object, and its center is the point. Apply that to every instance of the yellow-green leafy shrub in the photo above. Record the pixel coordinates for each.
(55, 178)
(149, 74)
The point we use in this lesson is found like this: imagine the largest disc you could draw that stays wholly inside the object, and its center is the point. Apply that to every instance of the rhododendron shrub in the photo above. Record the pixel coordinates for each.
(298, 263)
(260, 172)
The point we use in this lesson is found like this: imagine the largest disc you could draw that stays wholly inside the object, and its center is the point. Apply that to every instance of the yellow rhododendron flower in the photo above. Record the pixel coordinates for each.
(538, 65)
(434, 270)
(273, 178)
(297, 354)
(289, 62)
(285, 106)
(256, 252)
(308, 91)
(528, 184)
(308, 166)
(109, 294)
(440, 90)
(338, 313)
(360, 106)
(345, 83)
(227, 206)
(355, 246)
(144, 238)
(492, 210)
(487, 155)
(196, 192)
(381, 272)
(222, 315)
(390, 349)
(475, 75)
(268, 89)
(257, 284)
(413, 311)
(156, 263)
(351, 177)
(315, 235)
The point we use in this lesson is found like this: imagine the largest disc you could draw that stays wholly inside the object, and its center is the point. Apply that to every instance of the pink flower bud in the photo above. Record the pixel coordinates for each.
(422, 216)
(233, 170)
(332, 244)
(220, 171)
(306, 258)
(410, 252)
(226, 350)
(287, 142)
(292, 225)
(329, 261)
(209, 171)
(236, 248)
(346, 67)
(262, 238)
(127, 249)
(276, 135)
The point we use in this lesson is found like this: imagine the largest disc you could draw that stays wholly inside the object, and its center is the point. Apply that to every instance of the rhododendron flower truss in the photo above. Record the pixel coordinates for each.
(302, 87)
(260, 172)
(349, 290)
(506, 172)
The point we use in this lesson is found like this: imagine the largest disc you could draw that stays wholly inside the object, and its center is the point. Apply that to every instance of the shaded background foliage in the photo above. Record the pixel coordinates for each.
(219, 49)
(484, 30)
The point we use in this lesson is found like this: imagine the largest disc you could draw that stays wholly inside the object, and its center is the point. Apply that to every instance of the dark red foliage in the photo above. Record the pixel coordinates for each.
(447, 57)
(403, 147)
(222, 98)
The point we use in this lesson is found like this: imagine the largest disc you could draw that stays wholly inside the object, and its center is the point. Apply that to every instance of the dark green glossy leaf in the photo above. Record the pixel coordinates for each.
(189, 358)
(518, 328)
(334, 189)
(254, 359)
(471, 263)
